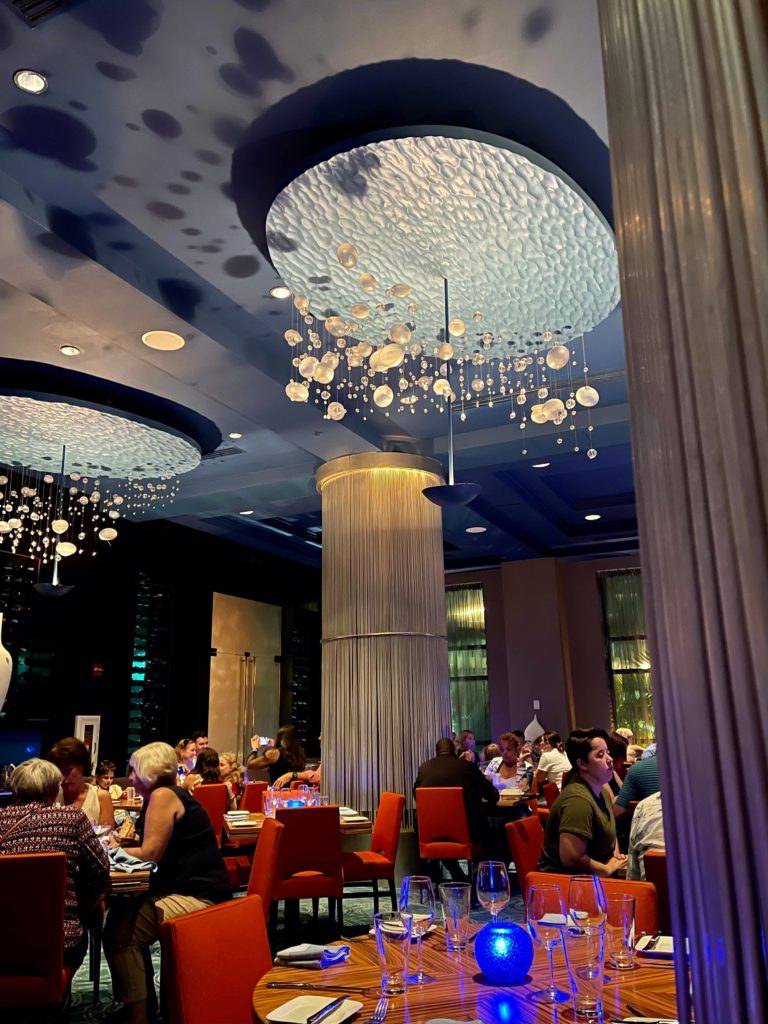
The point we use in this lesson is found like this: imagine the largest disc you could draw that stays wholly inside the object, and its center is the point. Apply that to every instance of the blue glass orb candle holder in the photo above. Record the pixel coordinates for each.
(294, 803)
(504, 952)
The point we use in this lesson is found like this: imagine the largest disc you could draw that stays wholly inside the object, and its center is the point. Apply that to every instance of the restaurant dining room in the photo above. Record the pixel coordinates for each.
(383, 511)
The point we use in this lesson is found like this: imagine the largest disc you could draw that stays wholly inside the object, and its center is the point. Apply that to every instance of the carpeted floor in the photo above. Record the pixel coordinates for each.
(357, 919)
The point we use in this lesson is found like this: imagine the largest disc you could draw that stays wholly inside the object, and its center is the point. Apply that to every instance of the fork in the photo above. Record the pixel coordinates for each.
(378, 1015)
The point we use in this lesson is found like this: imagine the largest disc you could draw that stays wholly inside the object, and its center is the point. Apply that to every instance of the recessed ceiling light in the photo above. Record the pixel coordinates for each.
(163, 341)
(69, 350)
(593, 517)
(234, 435)
(30, 81)
(540, 465)
(280, 291)
(247, 512)
(476, 529)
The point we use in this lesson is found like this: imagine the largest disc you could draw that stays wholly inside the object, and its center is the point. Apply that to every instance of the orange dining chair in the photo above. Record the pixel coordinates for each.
(656, 872)
(200, 987)
(32, 972)
(251, 799)
(442, 825)
(646, 913)
(214, 798)
(525, 838)
(551, 792)
(309, 866)
(363, 867)
(261, 881)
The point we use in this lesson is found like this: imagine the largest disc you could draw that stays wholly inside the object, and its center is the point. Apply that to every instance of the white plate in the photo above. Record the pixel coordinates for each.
(355, 819)
(347, 810)
(432, 928)
(297, 1010)
(664, 949)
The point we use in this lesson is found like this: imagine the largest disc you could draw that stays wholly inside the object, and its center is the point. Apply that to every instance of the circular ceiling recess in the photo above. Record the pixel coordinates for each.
(524, 250)
(96, 441)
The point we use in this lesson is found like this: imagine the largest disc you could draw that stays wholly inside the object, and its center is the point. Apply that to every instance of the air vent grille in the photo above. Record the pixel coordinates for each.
(34, 11)
(221, 453)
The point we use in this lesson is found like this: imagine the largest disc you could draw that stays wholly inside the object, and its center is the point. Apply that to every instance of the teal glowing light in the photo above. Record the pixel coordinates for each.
(504, 952)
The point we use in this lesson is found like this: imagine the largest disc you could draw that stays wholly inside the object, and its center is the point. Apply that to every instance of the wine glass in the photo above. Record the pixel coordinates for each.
(492, 885)
(417, 897)
(586, 901)
(546, 921)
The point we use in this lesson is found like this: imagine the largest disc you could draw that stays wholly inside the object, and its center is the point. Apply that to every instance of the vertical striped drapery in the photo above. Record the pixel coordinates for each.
(385, 658)
(687, 95)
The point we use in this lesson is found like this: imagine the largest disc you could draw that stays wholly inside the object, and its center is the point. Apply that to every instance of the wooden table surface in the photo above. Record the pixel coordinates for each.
(255, 820)
(461, 993)
(128, 882)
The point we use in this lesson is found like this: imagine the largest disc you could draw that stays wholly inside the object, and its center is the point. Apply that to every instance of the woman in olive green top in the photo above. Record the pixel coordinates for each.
(580, 836)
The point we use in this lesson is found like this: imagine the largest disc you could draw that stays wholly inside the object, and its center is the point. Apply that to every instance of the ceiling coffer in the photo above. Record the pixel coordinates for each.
(34, 12)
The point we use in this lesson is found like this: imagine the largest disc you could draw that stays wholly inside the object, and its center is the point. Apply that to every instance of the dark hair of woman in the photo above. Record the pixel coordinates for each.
(104, 768)
(70, 751)
(553, 739)
(578, 747)
(207, 766)
(509, 737)
(289, 742)
(617, 747)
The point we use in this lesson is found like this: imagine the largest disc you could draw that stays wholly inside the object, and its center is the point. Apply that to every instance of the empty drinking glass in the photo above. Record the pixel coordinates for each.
(584, 954)
(492, 886)
(586, 901)
(393, 931)
(454, 897)
(417, 897)
(620, 930)
(546, 921)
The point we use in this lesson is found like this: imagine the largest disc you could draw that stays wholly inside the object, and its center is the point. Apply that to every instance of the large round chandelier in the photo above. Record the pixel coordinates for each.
(367, 241)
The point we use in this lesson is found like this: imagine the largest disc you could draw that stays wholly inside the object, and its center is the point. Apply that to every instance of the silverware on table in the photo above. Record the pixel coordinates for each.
(326, 1011)
(653, 943)
(378, 1015)
(319, 988)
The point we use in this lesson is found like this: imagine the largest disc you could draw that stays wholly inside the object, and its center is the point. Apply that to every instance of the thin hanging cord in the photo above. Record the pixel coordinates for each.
(450, 391)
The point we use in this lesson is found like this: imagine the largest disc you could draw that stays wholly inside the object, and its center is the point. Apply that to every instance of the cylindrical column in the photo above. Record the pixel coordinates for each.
(687, 92)
(386, 695)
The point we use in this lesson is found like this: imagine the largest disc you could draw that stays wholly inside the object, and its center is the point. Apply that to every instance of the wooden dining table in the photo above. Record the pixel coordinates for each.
(462, 993)
(250, 831)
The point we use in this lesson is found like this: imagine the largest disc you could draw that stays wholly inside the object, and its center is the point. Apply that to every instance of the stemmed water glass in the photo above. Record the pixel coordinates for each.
(492, 885)
(417, 897)
(546, 921)
(586, 901)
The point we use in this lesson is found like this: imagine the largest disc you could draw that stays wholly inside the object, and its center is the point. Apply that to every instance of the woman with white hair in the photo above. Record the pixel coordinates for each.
(34, 825)
(175, 832)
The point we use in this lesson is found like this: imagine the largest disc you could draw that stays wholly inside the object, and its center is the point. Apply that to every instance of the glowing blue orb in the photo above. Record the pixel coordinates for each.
(504, 952)
(294, 803)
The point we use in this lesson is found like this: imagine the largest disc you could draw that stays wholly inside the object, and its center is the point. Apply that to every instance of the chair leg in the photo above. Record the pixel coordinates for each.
(315, 909)
(94, 959)
(340, 904)
(375, 896)
(392, 893)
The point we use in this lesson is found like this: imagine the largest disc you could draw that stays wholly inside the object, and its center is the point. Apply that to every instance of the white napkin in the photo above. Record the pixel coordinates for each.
(314, 957)
(533, 730)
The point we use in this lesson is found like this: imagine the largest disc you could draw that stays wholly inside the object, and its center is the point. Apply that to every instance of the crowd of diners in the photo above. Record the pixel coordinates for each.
(57, 807)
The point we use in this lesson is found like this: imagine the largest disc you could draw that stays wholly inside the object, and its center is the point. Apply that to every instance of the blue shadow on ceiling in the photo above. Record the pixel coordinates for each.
(322, 118)
(42, 380)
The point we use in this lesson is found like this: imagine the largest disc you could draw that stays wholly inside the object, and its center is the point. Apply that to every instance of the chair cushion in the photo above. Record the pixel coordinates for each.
(362, 865)
(307, 885)
(449, 851)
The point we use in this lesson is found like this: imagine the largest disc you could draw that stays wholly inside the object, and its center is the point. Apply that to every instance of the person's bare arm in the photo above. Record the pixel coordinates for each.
(106, 810)
(164, 810)
(573, 855)
(257, 761)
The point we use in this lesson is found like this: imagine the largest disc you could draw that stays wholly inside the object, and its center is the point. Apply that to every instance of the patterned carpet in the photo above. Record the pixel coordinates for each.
(357, 920)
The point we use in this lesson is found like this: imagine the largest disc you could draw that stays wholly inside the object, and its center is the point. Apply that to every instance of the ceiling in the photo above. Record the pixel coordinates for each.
(134, 194)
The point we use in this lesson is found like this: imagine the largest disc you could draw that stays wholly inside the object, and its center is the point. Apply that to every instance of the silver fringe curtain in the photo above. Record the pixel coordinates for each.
(385, 662)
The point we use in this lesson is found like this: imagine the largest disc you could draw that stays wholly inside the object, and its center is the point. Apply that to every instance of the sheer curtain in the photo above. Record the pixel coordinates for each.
(627, 651)
(465, 615)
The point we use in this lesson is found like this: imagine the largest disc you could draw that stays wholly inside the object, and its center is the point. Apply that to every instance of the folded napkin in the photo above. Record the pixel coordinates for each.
(312, 957)
(121, 860)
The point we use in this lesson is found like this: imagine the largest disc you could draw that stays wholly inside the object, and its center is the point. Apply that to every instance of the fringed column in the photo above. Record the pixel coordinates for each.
(386, 696)
(687, 92)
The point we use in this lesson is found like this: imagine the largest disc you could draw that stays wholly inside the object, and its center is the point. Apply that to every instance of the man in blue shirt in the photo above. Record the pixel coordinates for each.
(642, 780)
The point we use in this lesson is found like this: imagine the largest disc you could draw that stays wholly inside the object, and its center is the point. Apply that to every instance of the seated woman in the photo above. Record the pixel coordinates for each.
(105, 779)
(231, 773)
(467, 746)
(186, 754)
(71, 757)
(34, 825)
(507, 771)
(580, 834)
(553, 764)
(208, 773)
(176, 834)
(286, 757)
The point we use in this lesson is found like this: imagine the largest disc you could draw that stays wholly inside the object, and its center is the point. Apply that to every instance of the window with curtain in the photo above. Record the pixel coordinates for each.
(627, 651)
(465, 615)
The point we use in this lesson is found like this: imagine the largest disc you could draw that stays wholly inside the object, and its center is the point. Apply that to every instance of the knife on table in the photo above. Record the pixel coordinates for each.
(319, 988)
(326, 1011)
